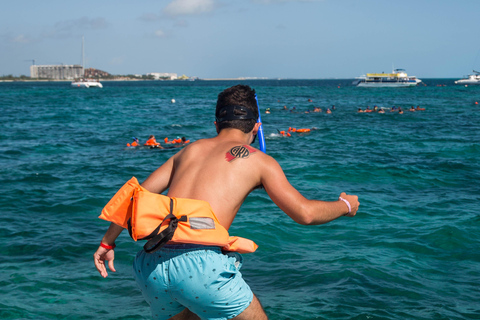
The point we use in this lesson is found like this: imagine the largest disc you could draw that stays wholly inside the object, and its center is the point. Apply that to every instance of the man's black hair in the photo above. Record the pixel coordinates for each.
(239, 95)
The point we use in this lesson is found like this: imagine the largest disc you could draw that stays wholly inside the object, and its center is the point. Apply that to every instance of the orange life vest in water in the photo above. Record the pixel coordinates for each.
(161, 219)
(151, 142)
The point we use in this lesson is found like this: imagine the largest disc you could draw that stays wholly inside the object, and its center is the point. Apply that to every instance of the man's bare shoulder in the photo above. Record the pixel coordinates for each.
(231, 153)
(194, 149)
(195, 145)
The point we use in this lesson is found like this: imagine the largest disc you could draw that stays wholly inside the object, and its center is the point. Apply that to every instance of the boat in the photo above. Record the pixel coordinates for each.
(83, 82)
(398, 78)
(86, 83)
(472, 79)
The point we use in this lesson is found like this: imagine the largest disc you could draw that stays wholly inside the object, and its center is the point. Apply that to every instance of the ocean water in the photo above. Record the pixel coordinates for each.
(412, 251)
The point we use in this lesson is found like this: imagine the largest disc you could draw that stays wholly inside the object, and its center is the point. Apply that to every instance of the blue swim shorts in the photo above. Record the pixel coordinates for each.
(202, 279)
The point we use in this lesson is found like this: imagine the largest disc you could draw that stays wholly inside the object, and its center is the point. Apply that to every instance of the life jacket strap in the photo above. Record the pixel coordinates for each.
(158, 240)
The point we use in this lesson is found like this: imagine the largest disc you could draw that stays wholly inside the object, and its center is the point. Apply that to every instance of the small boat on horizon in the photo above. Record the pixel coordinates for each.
(472, 79)
(86, 83)
(398, 78)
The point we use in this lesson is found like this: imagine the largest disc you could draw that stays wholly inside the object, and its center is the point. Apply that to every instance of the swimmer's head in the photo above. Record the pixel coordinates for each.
(237, 108)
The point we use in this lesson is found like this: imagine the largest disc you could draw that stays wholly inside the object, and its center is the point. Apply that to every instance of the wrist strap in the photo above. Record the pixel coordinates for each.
(347, 203)
(106, 246)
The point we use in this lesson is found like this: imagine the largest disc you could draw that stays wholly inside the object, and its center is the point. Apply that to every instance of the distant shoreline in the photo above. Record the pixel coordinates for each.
(53, 80)
(206, 79)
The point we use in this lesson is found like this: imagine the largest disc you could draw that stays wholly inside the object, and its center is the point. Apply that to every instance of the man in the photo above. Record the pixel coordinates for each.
(197, 282)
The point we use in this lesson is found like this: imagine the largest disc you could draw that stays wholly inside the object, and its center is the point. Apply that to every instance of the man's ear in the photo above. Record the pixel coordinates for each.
(216, 126)
(256, 128)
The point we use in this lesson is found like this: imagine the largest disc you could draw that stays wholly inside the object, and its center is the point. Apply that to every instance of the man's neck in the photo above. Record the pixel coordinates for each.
(231, 134)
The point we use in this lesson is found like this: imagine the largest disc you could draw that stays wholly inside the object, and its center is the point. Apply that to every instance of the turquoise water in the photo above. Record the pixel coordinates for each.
(412, 251)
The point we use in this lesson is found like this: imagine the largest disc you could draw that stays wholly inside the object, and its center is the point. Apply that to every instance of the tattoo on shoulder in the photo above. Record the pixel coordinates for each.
(237, 152)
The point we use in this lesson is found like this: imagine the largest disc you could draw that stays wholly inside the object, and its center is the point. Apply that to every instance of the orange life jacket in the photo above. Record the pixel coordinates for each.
(303, 130)
(176, 141)
(151, 142)
(134, 144)
(146, 216)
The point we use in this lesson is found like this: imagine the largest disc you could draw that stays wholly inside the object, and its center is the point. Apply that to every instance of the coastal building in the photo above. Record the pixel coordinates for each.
(56, 72)
(163, 76)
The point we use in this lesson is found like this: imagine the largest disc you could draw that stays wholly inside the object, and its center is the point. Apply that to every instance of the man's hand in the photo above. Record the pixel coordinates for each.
(354, 204)
(99, 258)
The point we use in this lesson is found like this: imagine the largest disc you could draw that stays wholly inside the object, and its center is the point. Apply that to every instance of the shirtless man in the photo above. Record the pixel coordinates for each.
(221, 171)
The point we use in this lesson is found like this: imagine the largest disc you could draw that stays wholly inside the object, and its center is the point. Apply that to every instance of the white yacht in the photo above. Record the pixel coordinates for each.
(398, 78)
(472, 79)
(85, 83)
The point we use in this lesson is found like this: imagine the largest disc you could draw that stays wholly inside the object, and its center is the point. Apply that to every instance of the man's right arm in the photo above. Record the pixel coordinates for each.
(295, 205)
(160, 179)
(157, 182)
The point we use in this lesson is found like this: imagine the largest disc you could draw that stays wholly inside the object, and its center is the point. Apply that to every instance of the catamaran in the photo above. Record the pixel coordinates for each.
(85, 83)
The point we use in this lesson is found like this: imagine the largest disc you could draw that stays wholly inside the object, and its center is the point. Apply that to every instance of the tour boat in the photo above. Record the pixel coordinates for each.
(398, 78)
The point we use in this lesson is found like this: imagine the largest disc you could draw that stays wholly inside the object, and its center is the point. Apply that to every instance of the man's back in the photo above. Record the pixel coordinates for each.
(221, 170)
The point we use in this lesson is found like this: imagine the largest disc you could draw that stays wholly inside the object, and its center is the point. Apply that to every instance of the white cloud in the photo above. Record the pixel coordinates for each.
(189, 7)
(21, 38)
(16, 39)
(159, 34)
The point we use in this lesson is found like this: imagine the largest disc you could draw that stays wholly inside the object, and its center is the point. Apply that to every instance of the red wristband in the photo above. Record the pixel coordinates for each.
(103, 245)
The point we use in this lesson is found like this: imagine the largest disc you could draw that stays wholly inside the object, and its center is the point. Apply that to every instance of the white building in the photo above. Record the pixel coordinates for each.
(56, 72)
(163, 76)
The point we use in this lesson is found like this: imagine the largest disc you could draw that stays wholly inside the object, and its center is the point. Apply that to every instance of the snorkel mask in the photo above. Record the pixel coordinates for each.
(243, 113)
(237, 112)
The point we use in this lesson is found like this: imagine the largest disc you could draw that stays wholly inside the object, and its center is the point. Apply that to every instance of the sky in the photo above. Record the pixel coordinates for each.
(300, 39)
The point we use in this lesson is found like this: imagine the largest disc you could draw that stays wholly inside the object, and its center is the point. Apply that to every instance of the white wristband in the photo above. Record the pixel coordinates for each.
(347, 203)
